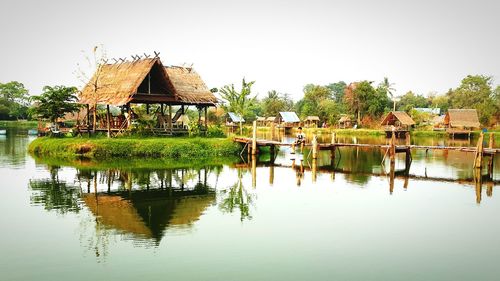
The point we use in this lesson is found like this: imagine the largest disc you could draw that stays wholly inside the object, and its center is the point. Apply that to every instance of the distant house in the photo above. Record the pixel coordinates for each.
(346, 122)
(261, 121)
(311, 121)
(400, 121)
(287, 119)
(270, 120)
(461, 121)
(234, 119)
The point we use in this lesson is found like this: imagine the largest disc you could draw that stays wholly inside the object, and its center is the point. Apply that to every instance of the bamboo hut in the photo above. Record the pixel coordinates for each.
(346, 122)
(144, 81)
(270, 120)
(400, 121)
(287, 120)
(460, 122)
(261, 121)
(311, 121)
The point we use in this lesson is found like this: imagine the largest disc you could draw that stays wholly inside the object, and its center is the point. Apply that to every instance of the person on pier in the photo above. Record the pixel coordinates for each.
(301, 138)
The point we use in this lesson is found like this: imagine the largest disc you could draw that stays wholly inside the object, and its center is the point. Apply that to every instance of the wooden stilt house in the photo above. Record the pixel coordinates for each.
(400, 121)
(144, 81)
(460, 122)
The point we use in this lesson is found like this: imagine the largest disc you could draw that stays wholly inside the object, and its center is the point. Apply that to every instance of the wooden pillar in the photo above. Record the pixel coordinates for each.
(272, 130)
(478, 159)
(392, 149)
(333, 138)
(271, 174)
(314, 168)
(392, 174)
(407, 138)
(254, 138)
(272, 151)
(147, 108)
(88, 119)
(169, 119)
(332, 156)
(206, 118)
(108, 117)
(254, 170)
(314, 147)
(491, 143)
(161, 108)
(478, 185)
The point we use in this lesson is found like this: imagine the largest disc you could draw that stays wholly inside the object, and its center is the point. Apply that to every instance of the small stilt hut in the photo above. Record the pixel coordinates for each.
(144, 81)
(311, 121)
(400, 121)
(345, 122)
(287, 119)
(261, 121)
(270, 120)
(460, 122)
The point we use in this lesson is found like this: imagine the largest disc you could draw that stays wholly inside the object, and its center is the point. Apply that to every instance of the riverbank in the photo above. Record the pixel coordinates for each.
(18, 124)
(102, 148)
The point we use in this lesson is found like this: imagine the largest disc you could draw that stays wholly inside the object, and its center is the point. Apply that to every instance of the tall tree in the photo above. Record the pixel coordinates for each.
(388, 88)
(241, 102)
(275, 102)
(14, 100)
(337, 90)
(475, 91)
(55, 102)
(411, 100)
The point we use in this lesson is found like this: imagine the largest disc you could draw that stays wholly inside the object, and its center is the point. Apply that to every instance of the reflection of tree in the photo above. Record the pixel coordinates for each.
(236, 197)
(54, 194)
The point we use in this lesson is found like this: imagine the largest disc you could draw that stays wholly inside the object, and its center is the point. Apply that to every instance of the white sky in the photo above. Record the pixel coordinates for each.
(422, 46)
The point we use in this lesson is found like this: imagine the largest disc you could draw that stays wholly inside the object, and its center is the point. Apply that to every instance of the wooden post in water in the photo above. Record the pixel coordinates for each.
(272, 130)
(314, 169)
(492, 141)
(271, 174)
(108, 117)
(88, 119)
(392, 149)
(254, 170)
(407, 138)
(333, 138)
(314, 144)
(478, 160)
(272, 151)
(332, 150)
(254, 138)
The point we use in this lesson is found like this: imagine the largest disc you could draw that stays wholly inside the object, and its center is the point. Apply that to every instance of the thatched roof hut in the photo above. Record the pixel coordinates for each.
(311, 121)
(398, 119)
(146, 81)
(462, 118)
(345, 122)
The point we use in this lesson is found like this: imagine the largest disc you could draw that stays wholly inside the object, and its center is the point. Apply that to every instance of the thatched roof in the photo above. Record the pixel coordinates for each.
(462, 118)
(260, 119)
(401, 116)
(188, 85)
(145, 81)
(312, 118)
(270, 119)
(344, 119)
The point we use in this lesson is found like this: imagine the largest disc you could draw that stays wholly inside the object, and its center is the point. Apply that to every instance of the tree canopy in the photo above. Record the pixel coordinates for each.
(14, 101)
(55, 102)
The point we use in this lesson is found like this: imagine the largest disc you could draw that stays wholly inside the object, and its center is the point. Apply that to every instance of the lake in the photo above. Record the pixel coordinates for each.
(129, 220)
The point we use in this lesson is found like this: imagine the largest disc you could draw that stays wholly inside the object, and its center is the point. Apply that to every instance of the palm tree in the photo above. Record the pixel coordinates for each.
(387, 86)
(238, 102)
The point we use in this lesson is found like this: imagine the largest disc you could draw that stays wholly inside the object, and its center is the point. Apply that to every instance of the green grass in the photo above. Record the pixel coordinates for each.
(102, 148)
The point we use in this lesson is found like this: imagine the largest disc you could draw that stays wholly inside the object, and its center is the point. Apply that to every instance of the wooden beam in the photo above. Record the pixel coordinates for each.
(108, 117)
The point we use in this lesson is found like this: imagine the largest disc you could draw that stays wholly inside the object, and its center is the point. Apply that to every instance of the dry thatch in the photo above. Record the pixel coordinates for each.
(189, 87)
(401, 116)
(260, 119)
(312, 118)
(270, 119)
(344, 119)
(145, 81)
(466, 118)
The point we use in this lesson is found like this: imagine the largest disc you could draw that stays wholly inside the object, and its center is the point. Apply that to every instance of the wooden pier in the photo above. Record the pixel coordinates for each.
(253, 144)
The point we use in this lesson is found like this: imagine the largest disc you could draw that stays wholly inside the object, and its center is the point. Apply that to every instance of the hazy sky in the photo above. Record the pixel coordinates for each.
(422, 46)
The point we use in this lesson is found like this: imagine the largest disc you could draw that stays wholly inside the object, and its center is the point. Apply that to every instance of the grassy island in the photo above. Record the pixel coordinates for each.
(101, 148)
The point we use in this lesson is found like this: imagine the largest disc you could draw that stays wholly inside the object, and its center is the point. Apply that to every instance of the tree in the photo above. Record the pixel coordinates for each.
(275, 102)
(55, 101)
(410, 101)
(361, 98)
(337, 90)
(313, 96)
(475, 91)
(14, 100)
(389, 90)
(239, 102)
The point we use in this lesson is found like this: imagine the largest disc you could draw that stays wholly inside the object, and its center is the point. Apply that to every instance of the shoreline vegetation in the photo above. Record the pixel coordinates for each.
(155, 147)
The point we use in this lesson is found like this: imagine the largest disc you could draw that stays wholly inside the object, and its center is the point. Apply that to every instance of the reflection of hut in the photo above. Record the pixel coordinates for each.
(270, 120)
(287, 119)
(346, 122)
(311, 121)
(234, 119)
(461, 121)
(147, 214)
(261, 121)
(400, 121)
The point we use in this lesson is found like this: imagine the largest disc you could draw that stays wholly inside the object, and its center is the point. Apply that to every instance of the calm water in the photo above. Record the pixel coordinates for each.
(126, 220)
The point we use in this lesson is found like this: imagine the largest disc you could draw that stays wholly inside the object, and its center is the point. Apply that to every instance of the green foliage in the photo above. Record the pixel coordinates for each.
(275, 102)
(239, 102)
(410, 101)
(337, 91)
(440, 101)
(419, 117)
(101, 148)
(55, 101)
(475, 91)
(14, 101)
(363, 99)
(314, 95)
